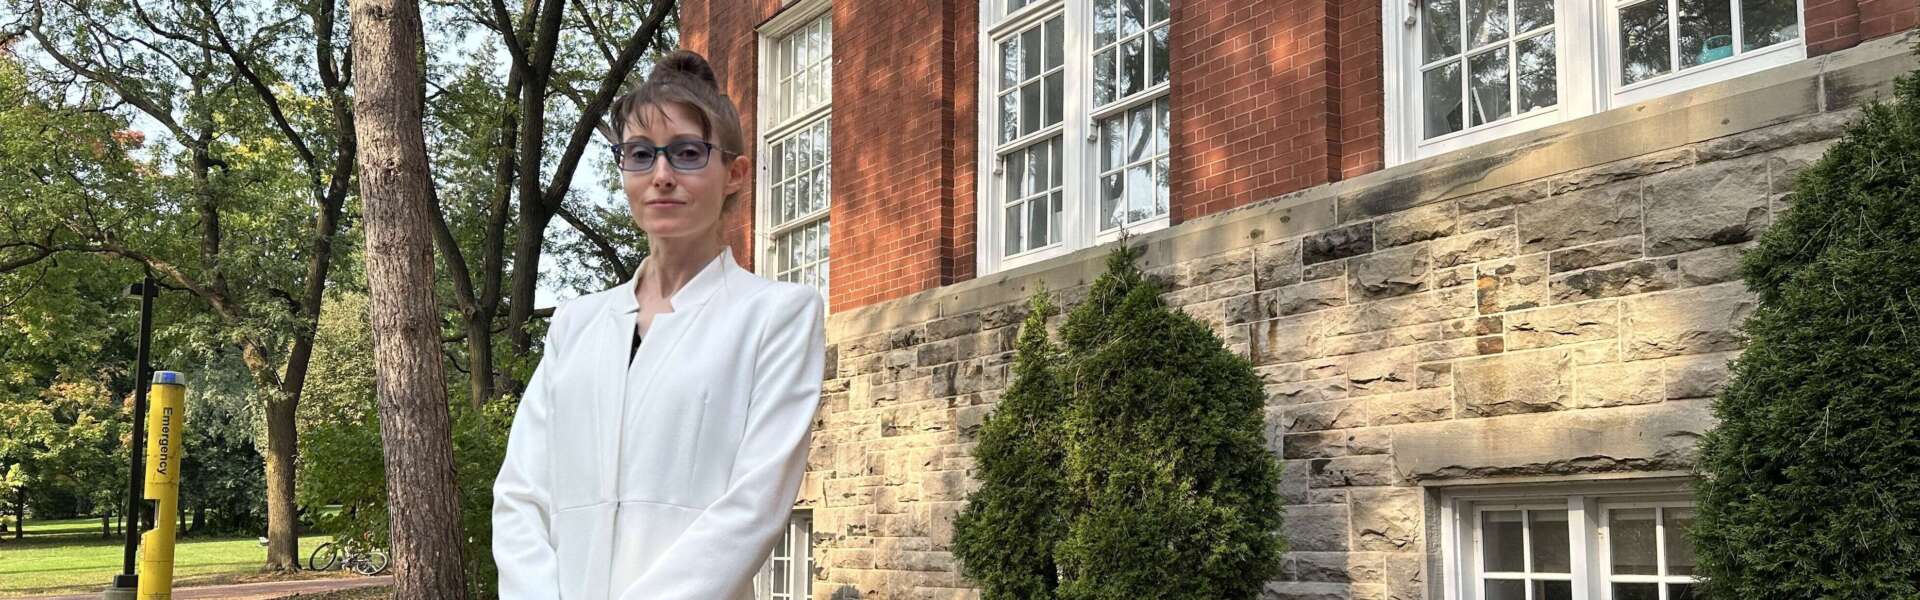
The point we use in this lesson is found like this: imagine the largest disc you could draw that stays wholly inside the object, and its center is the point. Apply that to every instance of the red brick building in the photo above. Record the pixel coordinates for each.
(1382, 203)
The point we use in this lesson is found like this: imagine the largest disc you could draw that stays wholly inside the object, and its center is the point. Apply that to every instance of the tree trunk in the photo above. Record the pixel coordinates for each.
(20, 515)
(409, 374)
(106, 526)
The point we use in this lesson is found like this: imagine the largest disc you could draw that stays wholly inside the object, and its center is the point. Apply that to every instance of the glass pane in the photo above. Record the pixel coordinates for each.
(1053, 148)
(1056, 43)
(1133, 17)
(1139, 123)
(1105, 25)
(1675, 522)
(1636, 591)
(1132, 67)
(1015, 229)
(1030, 49)
(1767, 22)
(1157, 61)
(1037, 169)
(1029, 108)
(819, 199)
(1486, 22)
(1056, 218)
(1013, 5)
(1156, 11)
(1490, 86)
(1439, 29)
(1442, 105)
(1680, 591)
(1532, 14)
(1016, 176)
(1161, 126)
(780, 577)
(1112, 138)
(1160, 187)
(1643, 41)
(1009, 63)
(1631, 541)
(1706, 31)
(1037, 222)
(826, 251)
(1009, 119)
(1055, 99)
(1552, 547)
(1103, 72)
(1538, 78)
(1552, 590)
(1506, 589)
(1139, 193)
(1501, 542)
(1110, 206)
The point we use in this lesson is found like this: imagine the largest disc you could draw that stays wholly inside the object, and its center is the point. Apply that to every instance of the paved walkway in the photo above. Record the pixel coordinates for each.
(256, 591)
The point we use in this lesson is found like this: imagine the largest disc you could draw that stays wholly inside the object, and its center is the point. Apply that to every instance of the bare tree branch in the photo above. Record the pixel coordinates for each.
(600, 244)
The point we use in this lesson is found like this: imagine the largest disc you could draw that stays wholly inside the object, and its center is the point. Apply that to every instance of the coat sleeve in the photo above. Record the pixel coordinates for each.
(719, 553)
(522, 497)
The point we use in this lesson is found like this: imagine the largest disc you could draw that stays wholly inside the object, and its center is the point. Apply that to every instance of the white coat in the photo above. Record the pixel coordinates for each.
(672, 478)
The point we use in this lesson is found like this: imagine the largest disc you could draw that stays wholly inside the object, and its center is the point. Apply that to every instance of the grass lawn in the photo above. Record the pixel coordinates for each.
(55, 560)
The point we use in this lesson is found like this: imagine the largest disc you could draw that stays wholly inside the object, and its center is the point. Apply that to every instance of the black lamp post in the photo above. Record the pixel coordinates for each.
(146, 290)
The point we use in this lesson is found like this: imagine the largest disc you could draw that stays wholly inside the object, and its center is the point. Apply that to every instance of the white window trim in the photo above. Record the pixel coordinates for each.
(800, 553)
(1079, 172)
(799, 14)
(1459, 557)
(1588, 73)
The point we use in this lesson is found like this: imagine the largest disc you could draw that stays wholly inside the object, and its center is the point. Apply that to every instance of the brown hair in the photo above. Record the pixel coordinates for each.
(684, 77)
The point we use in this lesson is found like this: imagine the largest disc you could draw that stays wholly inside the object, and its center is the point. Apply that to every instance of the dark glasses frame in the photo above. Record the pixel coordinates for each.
(706, 155)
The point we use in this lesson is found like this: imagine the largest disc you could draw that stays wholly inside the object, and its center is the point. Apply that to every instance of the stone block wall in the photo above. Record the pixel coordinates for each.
(1524, 312)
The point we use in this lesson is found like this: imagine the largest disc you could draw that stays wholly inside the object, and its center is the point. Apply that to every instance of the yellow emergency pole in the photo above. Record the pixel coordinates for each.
(166, 420)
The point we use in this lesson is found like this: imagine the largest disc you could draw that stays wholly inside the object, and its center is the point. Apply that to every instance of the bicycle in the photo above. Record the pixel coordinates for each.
(355, 557)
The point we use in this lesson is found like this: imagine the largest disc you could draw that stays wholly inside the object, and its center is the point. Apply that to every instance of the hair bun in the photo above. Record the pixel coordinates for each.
(685, 63)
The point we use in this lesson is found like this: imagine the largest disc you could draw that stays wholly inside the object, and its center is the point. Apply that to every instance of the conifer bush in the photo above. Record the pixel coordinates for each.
(1146, 474)
(1810, 485)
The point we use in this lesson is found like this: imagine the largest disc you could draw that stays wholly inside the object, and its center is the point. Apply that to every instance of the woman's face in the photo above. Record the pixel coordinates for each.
(670, 203)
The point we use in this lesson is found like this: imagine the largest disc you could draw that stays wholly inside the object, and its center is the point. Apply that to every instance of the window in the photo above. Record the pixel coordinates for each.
(797, 125)
(1467, 71)
(1603, 542)
(1060, 71)
(788, 574)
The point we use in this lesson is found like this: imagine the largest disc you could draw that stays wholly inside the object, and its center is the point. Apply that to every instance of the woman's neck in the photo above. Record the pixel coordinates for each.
(671, 264)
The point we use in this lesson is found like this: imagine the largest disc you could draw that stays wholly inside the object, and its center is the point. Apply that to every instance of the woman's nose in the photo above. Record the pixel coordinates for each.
(663, 175)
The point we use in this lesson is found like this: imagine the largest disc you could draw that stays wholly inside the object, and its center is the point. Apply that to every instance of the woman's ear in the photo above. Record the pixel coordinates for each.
(739, 174)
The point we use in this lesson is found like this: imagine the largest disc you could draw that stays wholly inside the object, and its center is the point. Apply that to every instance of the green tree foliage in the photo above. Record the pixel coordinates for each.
(1810, 485)
(1164, 487)
(1006, 535)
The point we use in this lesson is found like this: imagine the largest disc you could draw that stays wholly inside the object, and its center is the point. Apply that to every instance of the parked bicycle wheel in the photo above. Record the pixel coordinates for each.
(373, 562)
(324, 558)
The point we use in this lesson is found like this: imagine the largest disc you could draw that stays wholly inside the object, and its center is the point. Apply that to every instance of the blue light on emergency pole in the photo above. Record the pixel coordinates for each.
(168, 377)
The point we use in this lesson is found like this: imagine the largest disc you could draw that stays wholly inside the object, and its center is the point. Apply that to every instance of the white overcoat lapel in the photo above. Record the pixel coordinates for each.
(614, 340)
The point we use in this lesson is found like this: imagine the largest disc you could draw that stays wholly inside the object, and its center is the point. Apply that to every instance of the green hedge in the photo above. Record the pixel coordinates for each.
(1810, 485)
(1129, 463)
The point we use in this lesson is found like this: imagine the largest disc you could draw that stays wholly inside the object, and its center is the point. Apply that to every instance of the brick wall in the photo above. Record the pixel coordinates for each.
(1271, 97)
(903, 141)
(1839, 24)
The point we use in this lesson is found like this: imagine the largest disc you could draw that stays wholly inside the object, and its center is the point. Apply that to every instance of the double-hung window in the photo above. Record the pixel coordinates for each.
(788, 574)
(1594, 543)
(796, 122)
(1074, 127)
(1462, 72)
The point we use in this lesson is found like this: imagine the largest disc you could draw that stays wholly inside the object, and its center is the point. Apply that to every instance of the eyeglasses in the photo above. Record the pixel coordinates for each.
(684, 155)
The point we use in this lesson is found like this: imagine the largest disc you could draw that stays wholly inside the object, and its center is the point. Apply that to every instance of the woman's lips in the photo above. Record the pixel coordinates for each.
(665, 203)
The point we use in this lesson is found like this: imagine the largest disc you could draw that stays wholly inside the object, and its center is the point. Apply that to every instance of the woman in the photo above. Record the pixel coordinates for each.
(661, 442)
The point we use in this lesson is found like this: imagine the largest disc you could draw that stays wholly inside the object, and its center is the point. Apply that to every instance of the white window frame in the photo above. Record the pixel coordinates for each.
(792, 19)
(798, 543)
(1080, 160)
(1588, 52)
(1586, 504)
